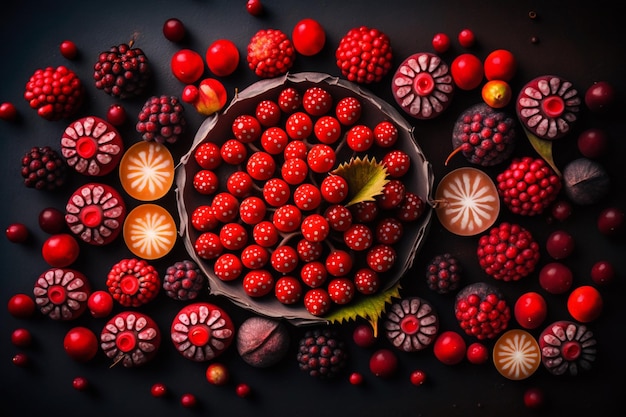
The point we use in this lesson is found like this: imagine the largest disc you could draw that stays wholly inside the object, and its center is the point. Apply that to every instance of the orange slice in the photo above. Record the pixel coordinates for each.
(467, 201)
(147, 171)
(149, 231)
(516, 354)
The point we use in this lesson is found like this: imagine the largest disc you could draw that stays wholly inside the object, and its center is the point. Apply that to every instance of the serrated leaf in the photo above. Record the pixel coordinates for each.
(366, 178)
(369, 308)
(543, 148)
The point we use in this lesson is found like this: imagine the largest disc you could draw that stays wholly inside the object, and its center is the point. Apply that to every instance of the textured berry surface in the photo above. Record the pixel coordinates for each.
(321, 354)
(122, 71)
(270, 53)
(443, 274)
(43, 169)
(183, 280)
(364, 55)
(55, 93)
(161, 119)
(482, 311)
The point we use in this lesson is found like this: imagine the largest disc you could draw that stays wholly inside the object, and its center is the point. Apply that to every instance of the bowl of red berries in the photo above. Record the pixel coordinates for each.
(305, 198)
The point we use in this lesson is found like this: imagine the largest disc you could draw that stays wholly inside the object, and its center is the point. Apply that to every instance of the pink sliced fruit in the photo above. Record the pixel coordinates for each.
(467, 201)
(567, 348)
(130, 338)
(423, 86)
(411, 324)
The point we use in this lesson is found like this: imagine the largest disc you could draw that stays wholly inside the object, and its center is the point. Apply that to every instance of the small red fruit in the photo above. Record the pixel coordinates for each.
(560, 244)
(533, 398)
(222, 57)
(477, 353)
(450, 348)
(68, 49)
(188, 400)
(116, 114)
(600, 97)
(254, 7)
(585, 303)
(530, 310)
(555, 278)
(187, 66)
(500, 65)
(51, 220)
(80, 383)
(441, 43)
(174, 30)
(8, 112)
(496, 93)
(418, 377)
(356, 378)
(81, 344)
(466, 38)
(467, 71)
(243, 390)
(602, 272)
(17, 233)
(21, 360)
(21, 338)
(308, 37)
(100, 303)
(383, 363)
(217, 374)
(363, 335)
(21, 306)
(611, 221)
(158, 389)
(60, 250)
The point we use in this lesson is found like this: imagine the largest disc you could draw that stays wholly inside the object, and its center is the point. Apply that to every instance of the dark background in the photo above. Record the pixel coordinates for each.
(582, 43)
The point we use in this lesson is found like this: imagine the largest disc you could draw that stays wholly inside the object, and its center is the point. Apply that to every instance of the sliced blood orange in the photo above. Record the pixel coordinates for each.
(147, 171)
(516, 354)
(467, 201)
(149, 231)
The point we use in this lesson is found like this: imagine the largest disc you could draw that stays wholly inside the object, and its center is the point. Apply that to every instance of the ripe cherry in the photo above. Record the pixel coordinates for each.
(555, 278)
(21, 306)
(467, 71)
(356, 378)
(222, 57)
(81, 344)
(466, 38)
(600, 97)
(611, 221)
(602, 272)
(17, 233)
(363, 335)
(100, 303)
(530, 310)
(441, 43)
(174, 30)
(116, 114)
(308, 37)
(533, 398)
(188, 400)
(21, 337)
(51, 220)
(158, 389)
(80, 383)
(560, 244)
(254, 7)
(187, 66)
(450, 347)
(477, 353)
(500, 65)
(418, 377)
(383, 363)
(8, 111)
(585, 303)
(593, 143)
(243, 390)
(60, 250)
(68, 49)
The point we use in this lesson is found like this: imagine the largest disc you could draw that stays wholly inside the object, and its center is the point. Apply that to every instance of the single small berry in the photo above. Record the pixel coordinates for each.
(158, 389)
(243, 390)
(68, 49)
(17, 233)
(418, 377)
(477, 353)
(8, 112)
(116, 114)
(254, 7)
(21, 338)
(188, 400)
(356, 378)
(80, 383)
(21, 359)
(174, 30)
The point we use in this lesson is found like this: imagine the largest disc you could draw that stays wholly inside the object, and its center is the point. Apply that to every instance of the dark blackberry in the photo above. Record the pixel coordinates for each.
(183, 281)
(321, 354)
(443, 274)
(43, 169)
(161, 119)
(122, 71)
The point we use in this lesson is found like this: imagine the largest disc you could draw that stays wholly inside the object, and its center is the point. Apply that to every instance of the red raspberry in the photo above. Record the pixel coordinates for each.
(317, 301)
(341, 290)
(482, 311)
(258, 283)
(508, 252)
(55, 93)
(364, 55)
(288, 290)
(161, 119)
(348, 111)
(317, 101)
(270, 53)
(203, 219)
(133, 282)
(528, 186)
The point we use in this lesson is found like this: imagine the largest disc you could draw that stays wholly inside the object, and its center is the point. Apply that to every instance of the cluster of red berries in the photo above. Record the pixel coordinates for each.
(270, 225)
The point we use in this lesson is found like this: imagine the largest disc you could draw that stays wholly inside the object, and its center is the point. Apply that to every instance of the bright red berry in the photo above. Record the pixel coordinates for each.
(348, 110)
(288, 290)
(477, 353)
(68, 49)
(254, 7)
(383, 363)
(466, 38)
(418, 377)
(158, 389)
(441, 43)
(174, 30)
(317, 301)
(8, 111)
(258, 283)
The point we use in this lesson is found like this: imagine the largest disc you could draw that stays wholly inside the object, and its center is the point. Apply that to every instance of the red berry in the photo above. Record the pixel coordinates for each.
(466, 38)
(100, 303)
(21, 306)
(21, 338)
(316, 101)
(68, 49)
(217, 374)
(450, 348)
(239, 184)
(383, 363)
(268, 113)
(116, 114)
(418, 377)
(611, 221)
(158, 389)
(270, 53)
(228, 267)
(254, 257)
(358, 237)
(208, 246)
(243, 390)
(467, 71)
(222, 57)
(307, 197)
(477, 353)
(560, 244)
(309, 251)
(338, 263)
(246, 128)
(533, 398)
(261, 166)
(299, 126)
(60, 250)
(17, 233)
(294, 171)
(284, 259)
(381, 258)
(233, 236)
(187, 66)
(530, 310)
(252, 210)
(265, 233)
(188, 400)
(397, 163)
(385, 134)
(363, 335)
(276, 192)
(81, 344)
(288, 290)
(313, 274)
(441, 43)
(317, 301)
(334, 189)
(561, 210)
(585, 303)
(308, 37)
(366, 281)
(364, 55)
(392, 195)
(80, 383)
(8, 111)
(174, 30)
(287, 218)
(206, 182)
(315, 228)
(274, 140)
(341, 290)
(254, 7)
(225, 207)
(21, 360)
(327, 129)
(321, 158)
(258, 283)
(555, 278)
(203, 218)
(593, 143)
(348, 110)
(600, 97)
(360, 138)
(602, 272)
(289, 100)
(356, 378)
(339, 217)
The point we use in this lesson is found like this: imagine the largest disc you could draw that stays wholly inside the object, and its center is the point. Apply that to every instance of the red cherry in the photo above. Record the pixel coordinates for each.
(308, 37)
(363, 335)
(174, 30)
(466, 38)
(560, 244)
(477, 353)
(21, 306)
(254, 7)
(530, 310)
(593, 143)
(555, 278)
(222, 57)
(602, 272)
(116, 115)
(68, 49)
(190, 94)
(8, 112)
(60, 250)
(187, 66)
(600, 97)
(81, 344)
(500, 65)
(100, 303)
(383, 363)
(17, 233)
(450, 347)
(467, 71)
(611, 221)
(441, 43)
(21, 337)
(585, 303)
(51, 220)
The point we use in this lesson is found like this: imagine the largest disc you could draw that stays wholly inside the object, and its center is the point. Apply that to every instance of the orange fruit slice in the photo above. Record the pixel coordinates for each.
(147, 171)
(149, 231)
(516, 354)
(467, 201)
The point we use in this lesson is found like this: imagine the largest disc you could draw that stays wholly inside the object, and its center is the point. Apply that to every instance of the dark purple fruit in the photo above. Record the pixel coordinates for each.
(585, 181)
(593, 143)
(600, 97)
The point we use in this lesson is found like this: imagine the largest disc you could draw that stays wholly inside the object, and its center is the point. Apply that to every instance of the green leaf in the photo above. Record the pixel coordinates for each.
(366, 178)
(370, 308)
(543, 148)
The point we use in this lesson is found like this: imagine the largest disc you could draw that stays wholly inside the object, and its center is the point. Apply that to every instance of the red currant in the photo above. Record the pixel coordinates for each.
(363, 335)
(555, 278)
(602, 272)
(158, 389)
(418, 377)
(561, 210)
(477, 353)
(356, 378)
(21, 360)
(174, 30)
(116, 114)
(441, 43)
(100, 303)
(8, 111)
(51, 220)
(243, 390)
(188, 400)
(383, 363)
(560, 244)
(21, 337)
(466, 38)
(68, 49)
(17, 233)
(80, 383)
(533, 398)
(254, 7)
(450, 348)
(611, 221)
(21, 306)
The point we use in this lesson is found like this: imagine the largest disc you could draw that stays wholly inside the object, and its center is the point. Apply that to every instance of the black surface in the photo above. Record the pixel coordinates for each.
(581, 43)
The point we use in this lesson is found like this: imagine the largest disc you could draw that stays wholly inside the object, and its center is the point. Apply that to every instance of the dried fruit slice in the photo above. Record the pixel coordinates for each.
(147, 171)
(516, 354)
(149, 231)
(467, 201)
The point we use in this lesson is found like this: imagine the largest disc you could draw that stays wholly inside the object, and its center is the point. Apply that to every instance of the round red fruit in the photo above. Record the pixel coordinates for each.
(21, 306)
(17, 233)
(418, 377)
(560, 244)
(188, 400)
(593, 143)
(174, 30)
(450, 348)
(187, 66)
(81, 344)
(500, 65)
(8, 111)
(611, 221)
(308, 37)
(466, 38)
(467, 71)
(383, 363)
(363, 335)
(254, 7)
(243, 390)
(80, 383)
(116, 114)
(222, 57)
(441, 43)
(477, 353)
(21, 338)
(600, 97)
(530, 310)
(217, 374)
(68, 49)
(533, 398)
(585, 303)
(555, 278)
(602, 272)
(60, 250)
(100, 303)
(158, 389)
